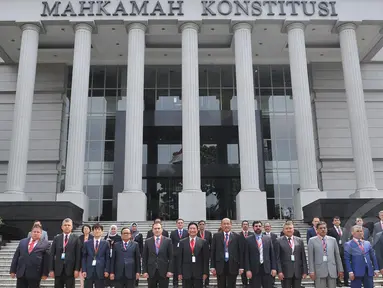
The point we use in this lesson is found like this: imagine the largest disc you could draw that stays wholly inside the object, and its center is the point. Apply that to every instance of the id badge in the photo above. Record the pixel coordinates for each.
(63, 256)
(178, 245)
(324, 258)
(293, 258)
(193, 259)
(340, 241)
(94, 262)
(226, 255)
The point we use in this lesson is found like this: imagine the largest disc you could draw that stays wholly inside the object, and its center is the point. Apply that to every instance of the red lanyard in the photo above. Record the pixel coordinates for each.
(158, 244)
(192, 245)
(361, 247)
(227, 239)
(202, 235)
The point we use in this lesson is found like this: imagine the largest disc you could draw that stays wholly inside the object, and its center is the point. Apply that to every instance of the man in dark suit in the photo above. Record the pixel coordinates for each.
(378, 226)
(193, 259)
(260, 261)
(125, 265)
(150, 232)
(157, 259)
(65, 257)
(176, 236)
(291, 258)
(226, 256)
(273, 236)
(312, 231)
(341, 236)
(208, 237)
(30, 262)
(96, 260)
(360, 260)
(243, 235)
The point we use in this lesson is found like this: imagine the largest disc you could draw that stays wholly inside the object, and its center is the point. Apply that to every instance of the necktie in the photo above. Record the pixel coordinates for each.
(180, 233)
(324, 246)
(126, 245)
(30, 246)
(96, 246)
(157, 244)
(245, 233)
(226, 247)
(66, 239)
(192, 243)
(339, 231)
(290, 243)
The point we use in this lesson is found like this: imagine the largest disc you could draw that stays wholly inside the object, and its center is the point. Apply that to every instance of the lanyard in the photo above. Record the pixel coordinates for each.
(192, 245)
(339, 231)
(227, 237)
(361, 247)
(202, 235)
(159, 242)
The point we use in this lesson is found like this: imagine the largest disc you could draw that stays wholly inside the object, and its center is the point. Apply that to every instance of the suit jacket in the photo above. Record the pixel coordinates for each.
(163, 262)
(252, 255)
(317, 265)
(33, 265)
(377, 229)
(150, 233)
(101, 256)
(81, 238)
(378, 247)
(44, 235)
(207, 236)
(186, 267)
(140, 241)
(355, 259)
(273, 237)
(311, 232)
(72, 255)
(283, 254)
(236, 253)
(174, 236)
(125, 262)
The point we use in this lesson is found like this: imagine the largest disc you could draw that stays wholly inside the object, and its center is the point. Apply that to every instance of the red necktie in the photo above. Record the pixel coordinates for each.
(30, 246)
(192, 244)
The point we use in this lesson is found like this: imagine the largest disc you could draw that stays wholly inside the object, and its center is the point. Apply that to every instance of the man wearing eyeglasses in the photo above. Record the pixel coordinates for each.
(125, 266)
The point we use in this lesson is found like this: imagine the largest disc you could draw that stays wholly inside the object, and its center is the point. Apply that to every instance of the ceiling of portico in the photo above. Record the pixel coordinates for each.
(163, 42)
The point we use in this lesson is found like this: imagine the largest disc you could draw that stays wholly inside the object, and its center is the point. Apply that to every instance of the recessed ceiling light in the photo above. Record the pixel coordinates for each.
(163, 29)
(165, 55)
(321, 54)
(113, 29)
(209, 55)
(212, 29)
(363, 39)
(54, 55)
(18, 49)
(256, 54)
(63, 29)
(265, 29)
(260, 43)
(117, 44)
(313, 29)
(13, 40)
(120, 55)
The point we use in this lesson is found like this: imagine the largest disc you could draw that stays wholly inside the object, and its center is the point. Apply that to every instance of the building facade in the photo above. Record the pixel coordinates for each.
(196, 109)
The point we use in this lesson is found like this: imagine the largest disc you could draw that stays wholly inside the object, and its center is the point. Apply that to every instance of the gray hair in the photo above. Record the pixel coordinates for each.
(353, 228)
(66, 220)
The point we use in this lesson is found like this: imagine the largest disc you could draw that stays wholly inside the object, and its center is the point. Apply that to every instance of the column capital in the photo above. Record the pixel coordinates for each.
(346, 26)
(295, 25)
(242, 25)
(136, 25)
(83, 26)
(31, 26)
(189, 25)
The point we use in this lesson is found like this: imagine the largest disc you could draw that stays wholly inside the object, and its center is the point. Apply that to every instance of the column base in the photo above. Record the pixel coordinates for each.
(192, 205)
(79, 199)
(251, 205)
(305, 197)
(367, 193)
(131, 206)
(12, 196)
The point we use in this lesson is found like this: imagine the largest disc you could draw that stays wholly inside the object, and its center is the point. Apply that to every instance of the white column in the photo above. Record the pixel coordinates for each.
(248, 149)
(134, 130)
(191, 163)
(74, 177)
(304, 128)
(361, 146)
(22, 115)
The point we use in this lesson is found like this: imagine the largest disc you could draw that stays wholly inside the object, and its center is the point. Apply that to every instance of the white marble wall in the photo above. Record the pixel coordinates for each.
(44, 146)
(335, 150)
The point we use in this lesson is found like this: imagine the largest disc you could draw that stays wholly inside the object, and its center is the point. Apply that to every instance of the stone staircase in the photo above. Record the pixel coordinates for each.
(6, 252)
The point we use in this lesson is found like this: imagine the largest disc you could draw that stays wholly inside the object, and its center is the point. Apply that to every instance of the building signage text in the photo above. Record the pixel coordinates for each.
(209, 8)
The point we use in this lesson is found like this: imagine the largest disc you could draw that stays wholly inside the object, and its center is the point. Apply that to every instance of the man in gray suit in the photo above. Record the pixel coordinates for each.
(378, 226)
(44, 235)
(325, 263)
(291, 258)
